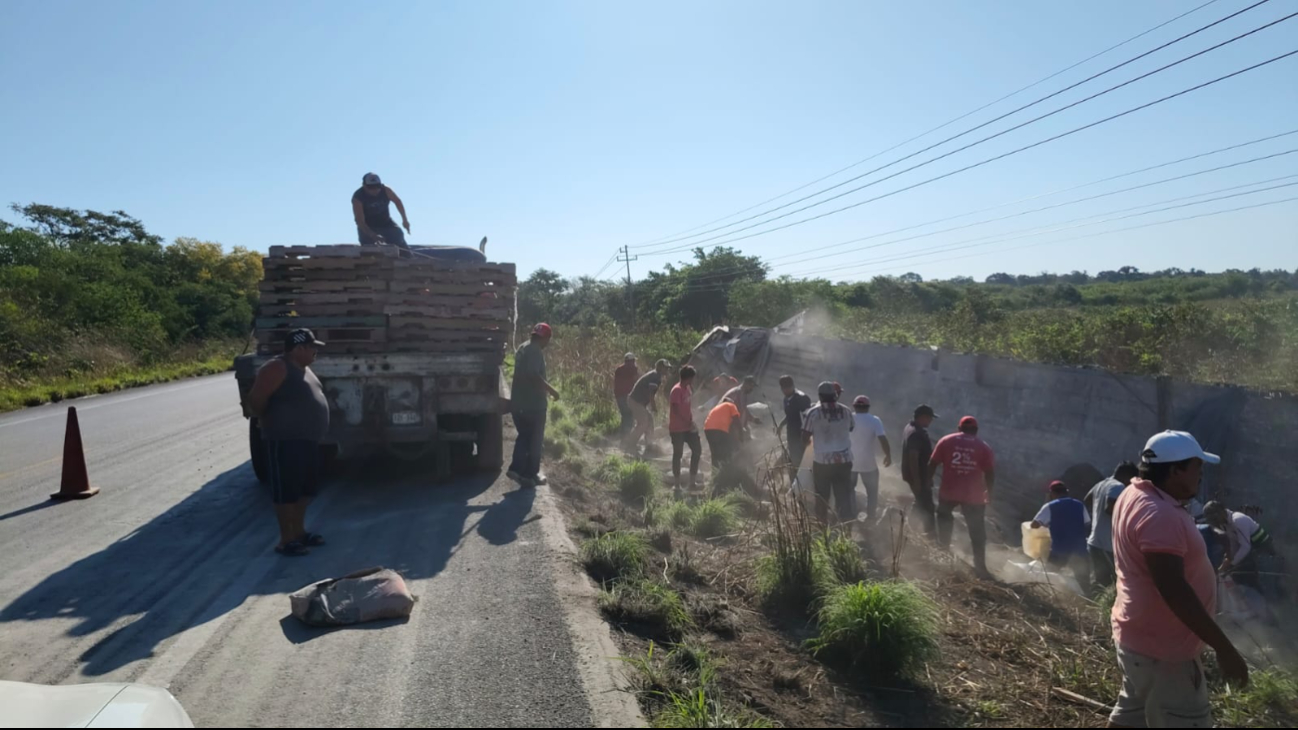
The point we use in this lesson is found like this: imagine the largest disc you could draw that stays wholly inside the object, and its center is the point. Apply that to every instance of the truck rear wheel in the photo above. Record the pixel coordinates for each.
(491, 442)
(257, 452)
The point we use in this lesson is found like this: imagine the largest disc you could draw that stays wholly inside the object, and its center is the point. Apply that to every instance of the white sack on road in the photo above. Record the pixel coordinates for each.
(368, 595)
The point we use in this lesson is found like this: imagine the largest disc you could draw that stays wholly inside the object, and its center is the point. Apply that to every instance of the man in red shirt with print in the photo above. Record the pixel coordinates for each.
(681, 424)
(968, 476)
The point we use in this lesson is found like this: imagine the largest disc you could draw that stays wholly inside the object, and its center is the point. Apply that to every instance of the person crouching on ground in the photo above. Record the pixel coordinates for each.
(680, 423)
(293, 413)
(1069, 523)
(828, 428)
(530, 404)
(644, 405)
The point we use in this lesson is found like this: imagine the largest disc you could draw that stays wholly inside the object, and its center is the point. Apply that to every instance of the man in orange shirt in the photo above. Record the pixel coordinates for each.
(722, 429)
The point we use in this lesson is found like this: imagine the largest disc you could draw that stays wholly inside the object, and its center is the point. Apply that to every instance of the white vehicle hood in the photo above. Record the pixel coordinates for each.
(89, 705)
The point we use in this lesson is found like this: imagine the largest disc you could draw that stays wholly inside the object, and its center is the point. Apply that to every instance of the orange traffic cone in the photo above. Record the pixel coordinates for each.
(76, 481)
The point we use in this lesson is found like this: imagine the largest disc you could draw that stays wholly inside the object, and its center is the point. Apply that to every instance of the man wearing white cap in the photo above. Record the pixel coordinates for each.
(1167, 593)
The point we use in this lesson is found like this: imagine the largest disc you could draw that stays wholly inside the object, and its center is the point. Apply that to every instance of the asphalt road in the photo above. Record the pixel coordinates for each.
(168, 577)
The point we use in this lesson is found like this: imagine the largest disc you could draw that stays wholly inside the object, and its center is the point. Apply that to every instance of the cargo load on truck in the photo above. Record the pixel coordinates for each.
(414, 339)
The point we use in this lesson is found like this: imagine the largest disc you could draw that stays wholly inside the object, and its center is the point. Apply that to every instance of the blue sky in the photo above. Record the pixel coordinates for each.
(566, 129)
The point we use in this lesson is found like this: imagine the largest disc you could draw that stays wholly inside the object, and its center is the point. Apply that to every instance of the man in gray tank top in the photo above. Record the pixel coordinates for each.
(370, 208)
(293, 412)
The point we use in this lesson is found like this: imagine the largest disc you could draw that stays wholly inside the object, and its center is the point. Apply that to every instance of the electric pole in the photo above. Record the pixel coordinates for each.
(630, 292)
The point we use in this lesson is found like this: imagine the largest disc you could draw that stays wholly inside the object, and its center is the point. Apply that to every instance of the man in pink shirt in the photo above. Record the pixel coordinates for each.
(683, 429)
(1167, 593)
(968, 476)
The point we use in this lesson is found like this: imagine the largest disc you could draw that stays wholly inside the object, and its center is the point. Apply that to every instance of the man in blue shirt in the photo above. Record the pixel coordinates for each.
(1069, 524)
(1099, 502)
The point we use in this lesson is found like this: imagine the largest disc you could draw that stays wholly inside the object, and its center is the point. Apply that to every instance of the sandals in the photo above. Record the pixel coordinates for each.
(293, 549)
(311, 539)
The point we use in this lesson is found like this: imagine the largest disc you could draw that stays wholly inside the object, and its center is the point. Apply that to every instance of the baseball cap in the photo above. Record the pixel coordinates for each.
(925, 410)
(827, 388)
(1058, 486)
(542, 330)
(861, 401)
(630, 357)
(1172, 446)
(968, 422)
(663, 364)
(371, 179)
(302, 336)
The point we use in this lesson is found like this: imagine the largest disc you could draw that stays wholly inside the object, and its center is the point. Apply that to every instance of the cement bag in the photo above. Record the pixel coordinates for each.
(367, 595)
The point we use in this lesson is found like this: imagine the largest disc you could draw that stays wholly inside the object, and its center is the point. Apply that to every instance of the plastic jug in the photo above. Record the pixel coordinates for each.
(1036, 542)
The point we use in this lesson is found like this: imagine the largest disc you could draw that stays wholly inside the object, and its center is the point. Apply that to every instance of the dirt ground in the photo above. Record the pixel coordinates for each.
(1011, 655)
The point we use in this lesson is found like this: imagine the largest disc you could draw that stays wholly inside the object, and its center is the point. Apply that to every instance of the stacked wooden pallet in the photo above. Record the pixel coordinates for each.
(372, 300)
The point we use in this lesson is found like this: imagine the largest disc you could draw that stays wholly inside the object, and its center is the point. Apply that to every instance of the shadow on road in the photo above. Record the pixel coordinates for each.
(205, 556)
(27, 510)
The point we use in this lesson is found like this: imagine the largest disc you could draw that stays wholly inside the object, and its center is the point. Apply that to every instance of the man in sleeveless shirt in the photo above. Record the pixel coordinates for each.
(370, 208)
(293, 412)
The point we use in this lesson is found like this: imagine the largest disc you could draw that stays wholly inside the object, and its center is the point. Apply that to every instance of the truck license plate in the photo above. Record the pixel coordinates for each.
(405, 418)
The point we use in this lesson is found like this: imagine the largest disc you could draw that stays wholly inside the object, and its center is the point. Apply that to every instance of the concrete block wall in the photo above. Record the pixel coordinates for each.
(1048, 422)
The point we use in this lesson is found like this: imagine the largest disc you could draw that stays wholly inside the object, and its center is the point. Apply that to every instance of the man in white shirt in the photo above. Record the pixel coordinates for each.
(1244, 539)
(828, 428)
(865, 467)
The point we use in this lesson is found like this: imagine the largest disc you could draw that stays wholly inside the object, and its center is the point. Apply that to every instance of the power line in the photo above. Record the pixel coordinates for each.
(939, 127)
(802, 259)
(1103, 233)
(611, 260)
(966, 168)
(1074, 223)
(997, 119)
(944, 258)
(1164, 181)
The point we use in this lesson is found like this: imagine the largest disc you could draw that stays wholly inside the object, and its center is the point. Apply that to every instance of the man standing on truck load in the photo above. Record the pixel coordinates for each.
(624, 379)
(865, 467)
(680, 423)
(1167, 593)
(370, 208)
(643, 398)
(968, 478)
(916, 449)
(828, 428)
(1069, 523)
(1100, 501)
(530, 394)
(293, 414)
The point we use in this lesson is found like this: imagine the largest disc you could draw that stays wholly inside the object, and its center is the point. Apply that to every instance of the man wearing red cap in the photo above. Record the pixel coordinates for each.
(530, 394)
(968, 477)
(1069, 523)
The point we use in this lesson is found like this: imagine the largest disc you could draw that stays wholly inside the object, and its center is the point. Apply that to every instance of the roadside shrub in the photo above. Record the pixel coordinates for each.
(714, 518)
(699, 708)
(1270, 700)
(653, 608)
(790, 577)
(555, 446)
(610, 468)
(565, 428)
(678, 515)
(614, 555)
(890, 627)
(637, 481)
(843, 562)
